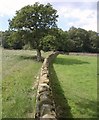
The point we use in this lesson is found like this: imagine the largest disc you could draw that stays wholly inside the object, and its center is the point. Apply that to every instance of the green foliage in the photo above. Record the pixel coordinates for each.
(34, 26)
(83, 41)
(77, 40)
(5, 39)
(15, 40)
(48, 42)
(75, 36)
(12, 40)
(62, 41)
(33, 17)
(94, 41)
(36, 20)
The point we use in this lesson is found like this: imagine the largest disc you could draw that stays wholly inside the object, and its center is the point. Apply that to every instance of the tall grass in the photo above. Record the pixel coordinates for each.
(19, 75)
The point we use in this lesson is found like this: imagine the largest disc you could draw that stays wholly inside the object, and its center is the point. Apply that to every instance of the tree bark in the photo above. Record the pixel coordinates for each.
(39, 58)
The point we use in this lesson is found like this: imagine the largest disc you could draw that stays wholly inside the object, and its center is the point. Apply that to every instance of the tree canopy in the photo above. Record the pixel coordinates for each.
(36, 20)
(34, 27)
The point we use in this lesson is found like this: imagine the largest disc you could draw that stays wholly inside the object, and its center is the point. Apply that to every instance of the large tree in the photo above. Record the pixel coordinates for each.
(36, 20)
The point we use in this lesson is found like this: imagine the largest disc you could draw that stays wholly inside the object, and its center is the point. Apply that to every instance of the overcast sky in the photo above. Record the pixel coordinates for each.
(77, 13)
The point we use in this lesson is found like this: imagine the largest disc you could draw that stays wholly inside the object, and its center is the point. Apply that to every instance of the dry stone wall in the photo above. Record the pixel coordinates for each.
(45, 107)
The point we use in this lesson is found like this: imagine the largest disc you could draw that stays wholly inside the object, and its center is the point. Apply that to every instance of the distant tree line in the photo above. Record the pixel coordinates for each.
(73, 40)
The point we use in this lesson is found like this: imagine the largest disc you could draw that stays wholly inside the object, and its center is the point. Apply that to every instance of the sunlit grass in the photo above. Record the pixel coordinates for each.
(74, 81)
(19, 75)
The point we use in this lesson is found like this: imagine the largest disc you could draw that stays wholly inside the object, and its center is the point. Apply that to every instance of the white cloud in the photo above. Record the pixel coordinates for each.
(8, 7)
(86, 18)
(75, 16)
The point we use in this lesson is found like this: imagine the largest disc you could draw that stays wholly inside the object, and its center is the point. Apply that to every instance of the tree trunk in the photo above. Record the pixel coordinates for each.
(38, 55)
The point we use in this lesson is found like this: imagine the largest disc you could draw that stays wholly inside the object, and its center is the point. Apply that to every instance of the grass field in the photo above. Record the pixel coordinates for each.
(74, 84)
(73, 79)
(19, 69)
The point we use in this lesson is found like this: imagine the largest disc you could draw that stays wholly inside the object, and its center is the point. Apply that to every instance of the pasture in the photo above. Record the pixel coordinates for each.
(73, 80)
(19, 71)
(74, 84)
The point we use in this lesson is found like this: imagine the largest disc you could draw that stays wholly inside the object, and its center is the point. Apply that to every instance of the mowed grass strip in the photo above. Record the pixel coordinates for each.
(19, 75)
(74, 84)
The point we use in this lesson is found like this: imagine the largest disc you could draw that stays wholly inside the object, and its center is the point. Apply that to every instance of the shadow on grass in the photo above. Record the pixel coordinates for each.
(88, 106)
(63, 109)
(24, 57)
(68, 61)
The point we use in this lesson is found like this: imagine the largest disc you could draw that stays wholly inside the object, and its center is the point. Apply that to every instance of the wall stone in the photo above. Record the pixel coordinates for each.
(45, 107)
